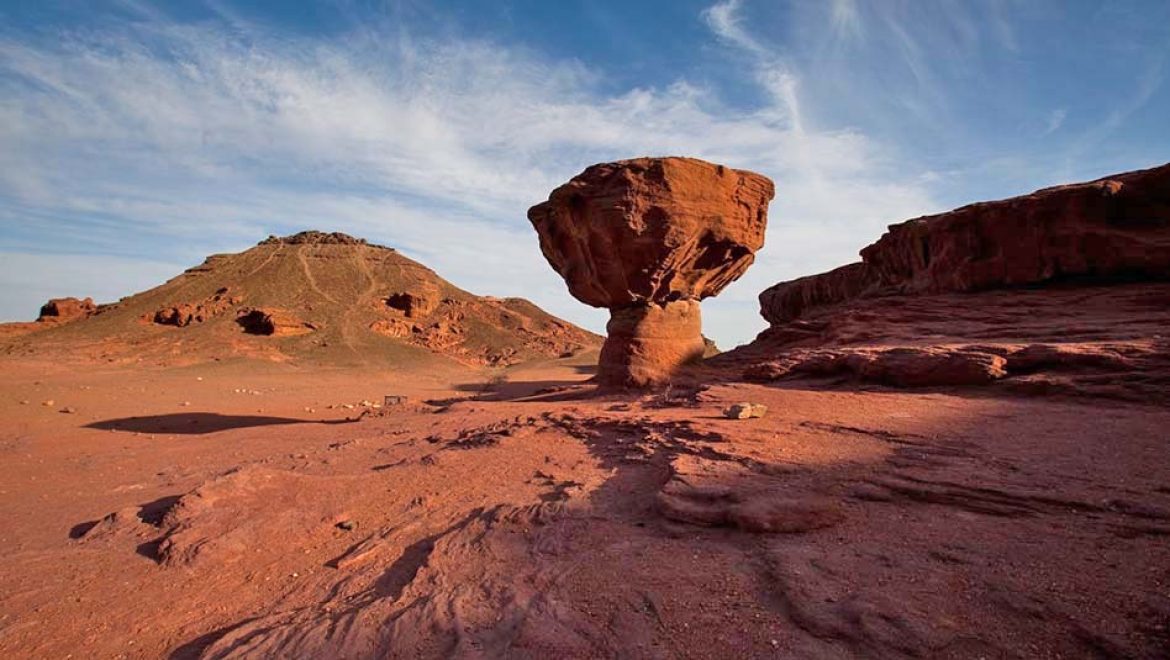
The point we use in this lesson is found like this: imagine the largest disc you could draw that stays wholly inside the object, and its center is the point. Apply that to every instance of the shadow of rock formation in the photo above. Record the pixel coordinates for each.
(198, 423)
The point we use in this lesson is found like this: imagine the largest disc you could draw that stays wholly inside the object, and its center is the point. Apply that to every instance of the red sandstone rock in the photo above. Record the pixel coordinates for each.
(412, 304)
(184, 314)
(649, 238)
(276, 322)
(61, 310)
(644, 343)
(1116, 227)
(899, 367)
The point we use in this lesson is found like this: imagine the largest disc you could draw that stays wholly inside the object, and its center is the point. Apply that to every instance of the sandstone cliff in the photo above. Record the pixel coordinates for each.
(1117, 227)
(1065, 290)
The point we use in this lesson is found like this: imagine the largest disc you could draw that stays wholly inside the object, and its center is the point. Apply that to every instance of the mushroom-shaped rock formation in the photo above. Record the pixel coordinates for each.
(649, 238)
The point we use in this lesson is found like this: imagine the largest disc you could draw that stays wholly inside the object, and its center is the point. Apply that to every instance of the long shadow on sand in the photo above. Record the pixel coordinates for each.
(199, 423)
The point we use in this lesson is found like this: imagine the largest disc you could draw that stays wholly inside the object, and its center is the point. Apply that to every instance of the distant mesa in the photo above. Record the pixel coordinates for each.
(648, 239)
(1065, 290)
(314, 296)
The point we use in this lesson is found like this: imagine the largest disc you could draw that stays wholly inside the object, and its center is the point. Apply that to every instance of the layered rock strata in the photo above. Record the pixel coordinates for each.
(1115, 228)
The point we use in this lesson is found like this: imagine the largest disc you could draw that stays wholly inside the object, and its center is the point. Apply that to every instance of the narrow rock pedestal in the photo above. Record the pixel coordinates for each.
(647, 344)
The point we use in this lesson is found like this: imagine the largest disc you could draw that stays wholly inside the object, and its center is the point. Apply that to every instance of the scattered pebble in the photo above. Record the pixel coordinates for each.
(185, 403)
(347, 525)
(67, 410)
(24, 402)
(47, 402)
(347, 406)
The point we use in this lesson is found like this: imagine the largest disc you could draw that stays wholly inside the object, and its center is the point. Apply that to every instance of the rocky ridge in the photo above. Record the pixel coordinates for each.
(1065, 290)
(1114, 228)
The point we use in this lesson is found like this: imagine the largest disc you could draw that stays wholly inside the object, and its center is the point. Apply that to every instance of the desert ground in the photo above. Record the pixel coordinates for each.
(244, 510)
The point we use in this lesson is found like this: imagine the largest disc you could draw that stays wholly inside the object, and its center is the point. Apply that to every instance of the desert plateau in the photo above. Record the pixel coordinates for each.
(585, 330)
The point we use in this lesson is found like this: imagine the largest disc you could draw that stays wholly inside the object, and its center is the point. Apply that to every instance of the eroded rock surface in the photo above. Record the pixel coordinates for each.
(185, 314)
(1063, 291)
(275, 322)
(1115, 227)
(648, 238)
(62, 310)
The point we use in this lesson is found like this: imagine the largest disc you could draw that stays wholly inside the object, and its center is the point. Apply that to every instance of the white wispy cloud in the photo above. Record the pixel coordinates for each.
(159, 137)
(1055, 121)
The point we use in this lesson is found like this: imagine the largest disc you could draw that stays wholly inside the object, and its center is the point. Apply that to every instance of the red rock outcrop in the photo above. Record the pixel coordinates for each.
(1117, 227)
(1066, 290)
(184, 314)
(899, 366)
(648, 238)
(314, 237)
(273, 322)
(62, 310)
(413, 304)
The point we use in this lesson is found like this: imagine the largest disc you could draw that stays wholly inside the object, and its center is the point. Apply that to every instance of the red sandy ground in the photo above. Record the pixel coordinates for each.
(916, 524)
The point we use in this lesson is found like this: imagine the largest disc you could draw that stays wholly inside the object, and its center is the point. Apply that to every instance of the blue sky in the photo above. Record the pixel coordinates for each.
(136, 137)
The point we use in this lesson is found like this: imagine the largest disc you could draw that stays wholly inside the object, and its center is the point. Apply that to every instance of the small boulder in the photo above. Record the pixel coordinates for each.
(745, 410)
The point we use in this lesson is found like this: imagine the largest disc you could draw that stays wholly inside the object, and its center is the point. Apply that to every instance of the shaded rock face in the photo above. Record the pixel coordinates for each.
(60, 310)
(1113, 228)
(648, 238)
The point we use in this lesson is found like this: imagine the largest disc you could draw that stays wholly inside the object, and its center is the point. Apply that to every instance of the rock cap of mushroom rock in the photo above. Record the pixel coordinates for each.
(653, 230)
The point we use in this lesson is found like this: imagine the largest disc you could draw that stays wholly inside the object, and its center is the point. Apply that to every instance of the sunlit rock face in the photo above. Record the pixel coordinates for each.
(1115, 228)
(649, 238)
